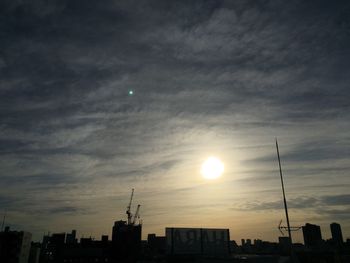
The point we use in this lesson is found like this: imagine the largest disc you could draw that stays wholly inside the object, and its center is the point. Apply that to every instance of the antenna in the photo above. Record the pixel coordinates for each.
(3, 222)
(292, 228)
(279, 228)
(284, 199)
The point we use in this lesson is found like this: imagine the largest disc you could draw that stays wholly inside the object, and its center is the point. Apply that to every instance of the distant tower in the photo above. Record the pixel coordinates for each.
(337, 235)
(312, 235)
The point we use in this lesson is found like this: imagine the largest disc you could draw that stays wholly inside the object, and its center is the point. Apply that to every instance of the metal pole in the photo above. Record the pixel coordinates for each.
(284, 200)
(3, 222)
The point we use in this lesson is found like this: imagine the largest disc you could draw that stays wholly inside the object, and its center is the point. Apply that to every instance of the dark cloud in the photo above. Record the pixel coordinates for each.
(6, 201)
(313, 151)
(39, 180)
(293, 203)
(336, 200)
(63, 210)
(154, 168)
(332, 205)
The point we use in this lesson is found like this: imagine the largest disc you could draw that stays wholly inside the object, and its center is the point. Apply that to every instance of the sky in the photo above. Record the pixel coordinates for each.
(209, 78)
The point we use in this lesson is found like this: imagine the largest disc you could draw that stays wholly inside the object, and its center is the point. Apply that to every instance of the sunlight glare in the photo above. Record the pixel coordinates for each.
(212, 168)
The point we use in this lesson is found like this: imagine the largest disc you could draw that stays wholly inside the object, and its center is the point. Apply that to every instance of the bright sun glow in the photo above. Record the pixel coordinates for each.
(212, 168)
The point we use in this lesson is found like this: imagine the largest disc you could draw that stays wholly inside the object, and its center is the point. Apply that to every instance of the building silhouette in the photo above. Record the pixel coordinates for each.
(312, 235)
(126, 240)
(211, 242)
(71, 238)
(14, 246)
(284, 245)
(62, 247)
(156, 244)
(337, 235)
(34, 255)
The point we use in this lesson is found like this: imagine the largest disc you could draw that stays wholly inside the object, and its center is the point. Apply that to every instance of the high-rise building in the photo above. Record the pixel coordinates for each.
(126, 240)
(284, 245)
(156, 244)
(15, 246)
(56, 246)
(337, 235)
(34, 255)
(71, 238)
(312, 235)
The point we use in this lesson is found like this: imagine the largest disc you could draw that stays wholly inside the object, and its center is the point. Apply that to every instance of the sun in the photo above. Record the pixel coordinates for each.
(212, 168)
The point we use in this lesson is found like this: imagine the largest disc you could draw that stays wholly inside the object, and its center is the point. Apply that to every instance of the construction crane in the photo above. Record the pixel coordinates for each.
(128, 212)
(137, 214)
(285, 228)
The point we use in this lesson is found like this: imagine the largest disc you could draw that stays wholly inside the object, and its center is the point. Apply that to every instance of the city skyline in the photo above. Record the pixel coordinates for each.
(99, 97)
(313, 234)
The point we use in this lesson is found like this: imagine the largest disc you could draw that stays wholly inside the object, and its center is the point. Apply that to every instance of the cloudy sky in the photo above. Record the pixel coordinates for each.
(221, 78)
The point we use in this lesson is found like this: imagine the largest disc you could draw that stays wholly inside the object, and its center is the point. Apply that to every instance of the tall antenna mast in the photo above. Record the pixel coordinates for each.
(284, 200)
(3, 222)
